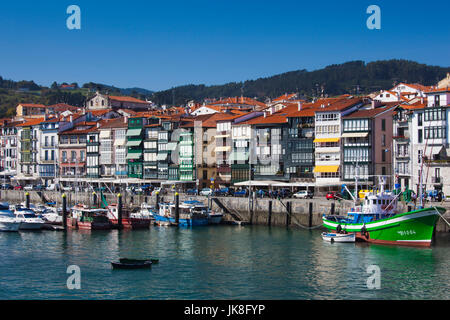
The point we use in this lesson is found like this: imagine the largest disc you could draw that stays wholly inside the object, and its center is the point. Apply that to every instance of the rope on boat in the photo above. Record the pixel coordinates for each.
(441, 216)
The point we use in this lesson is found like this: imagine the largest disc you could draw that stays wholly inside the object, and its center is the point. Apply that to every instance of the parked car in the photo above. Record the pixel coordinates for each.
(18, 187)
(192, 192)
(303, 194)
(67, 188)
(223, 192)
(206, 192)
(240, 193)
(333, 195)
(28, 187)
(6, 186)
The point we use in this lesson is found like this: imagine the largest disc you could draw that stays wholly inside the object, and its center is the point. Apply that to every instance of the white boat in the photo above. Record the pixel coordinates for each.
(145, 212)
(29, 220)
(338, 237)
(51, 215)
(8, 221)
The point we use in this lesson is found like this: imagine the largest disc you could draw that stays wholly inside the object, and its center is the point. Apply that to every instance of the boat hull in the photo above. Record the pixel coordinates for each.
(414, 228)
(9, 226)
(74, 224)
(31, 225)
(162, 220)
(336, 237)
(133, 223)
(215, 219)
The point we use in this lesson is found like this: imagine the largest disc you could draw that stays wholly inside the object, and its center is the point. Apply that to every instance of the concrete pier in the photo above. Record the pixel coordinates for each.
(303, 212)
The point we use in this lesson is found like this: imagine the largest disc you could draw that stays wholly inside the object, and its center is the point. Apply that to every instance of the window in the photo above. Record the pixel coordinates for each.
(383, 155)
(383, 124)
(419, 156)
(64, 156)
(383, 171)
(420, 116)
(383, 140)
(82, 155)
(46, 155)
(420, 138)
(205, 174)
(73, 156)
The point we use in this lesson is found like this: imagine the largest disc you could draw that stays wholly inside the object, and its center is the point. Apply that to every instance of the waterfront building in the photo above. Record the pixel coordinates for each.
(151, 151)
(267, 161)
(299, 143)
(204, 158)
(135, 137)
(8, 146)
(48, 150)
(223, 148)
(327, 123)
(72, 150)
(92, 153)
(243, 148)
(430, 142)
(367, 145)
(28, 150)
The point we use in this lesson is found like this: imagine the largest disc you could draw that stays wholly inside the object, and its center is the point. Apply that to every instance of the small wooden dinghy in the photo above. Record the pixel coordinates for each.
(131, 264)
(338, 237)
(126, 260)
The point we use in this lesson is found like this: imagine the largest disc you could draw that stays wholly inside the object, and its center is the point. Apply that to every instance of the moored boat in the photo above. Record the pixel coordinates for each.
(8, 221)
(191, 213)
(377, 220)
(338, 237)
(132, 264)
(83, 218)
(128, 221)
(28, 219)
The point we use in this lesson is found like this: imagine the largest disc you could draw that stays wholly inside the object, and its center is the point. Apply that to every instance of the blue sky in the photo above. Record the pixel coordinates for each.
(160, 44)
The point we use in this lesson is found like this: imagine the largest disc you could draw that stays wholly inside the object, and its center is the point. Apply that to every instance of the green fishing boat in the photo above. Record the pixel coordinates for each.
(377, 220)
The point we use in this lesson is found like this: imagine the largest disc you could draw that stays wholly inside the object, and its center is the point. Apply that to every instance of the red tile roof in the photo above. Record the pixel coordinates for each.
(127, 99)
(31, 122)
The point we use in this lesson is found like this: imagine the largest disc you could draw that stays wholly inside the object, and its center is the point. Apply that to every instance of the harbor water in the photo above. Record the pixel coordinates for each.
(221, 262)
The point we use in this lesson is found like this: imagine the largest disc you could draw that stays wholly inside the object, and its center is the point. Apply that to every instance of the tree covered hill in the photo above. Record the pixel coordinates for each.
(352, 77)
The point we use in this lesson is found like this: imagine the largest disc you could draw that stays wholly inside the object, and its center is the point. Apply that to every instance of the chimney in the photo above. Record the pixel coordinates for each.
(300, 104)
(98, 124)
(71, 118)
(265, 114)
(125, 119)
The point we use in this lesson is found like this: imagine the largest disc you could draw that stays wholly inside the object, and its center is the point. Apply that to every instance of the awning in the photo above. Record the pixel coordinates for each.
(133, 143)
(161, 156)
(222, 136)
(238, 156)
(134, 132)
(172, 146)
(134, 155)
(105, 134)
(326, 140)
(120, 142)
(326, 169)
(222, 149)
(355, 135)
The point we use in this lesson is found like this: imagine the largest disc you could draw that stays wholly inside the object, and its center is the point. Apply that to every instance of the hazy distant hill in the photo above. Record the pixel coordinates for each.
(350, 77)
